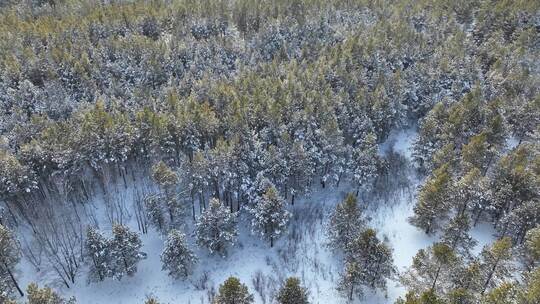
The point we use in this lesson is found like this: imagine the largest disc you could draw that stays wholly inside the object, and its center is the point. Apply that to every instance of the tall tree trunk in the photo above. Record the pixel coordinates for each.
(13, 279)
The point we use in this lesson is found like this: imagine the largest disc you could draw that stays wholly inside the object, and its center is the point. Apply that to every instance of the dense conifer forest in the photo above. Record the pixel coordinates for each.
(280, 151)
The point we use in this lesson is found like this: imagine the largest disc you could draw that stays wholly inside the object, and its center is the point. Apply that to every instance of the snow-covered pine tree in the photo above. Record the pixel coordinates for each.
(96, 247)
(151, 300)
(532, 248)
(456, 235)
(45, 295)
(232, 291)
(496, 263)
(154, 212)
(433, 201)
(369, 263)
(125, 251)
(270, 217)
(345, 224)
(363, 162)
(176, 257)
(216, 228)
(430, 137)
(292, 292)
(471, 193)
(10, 255)
(522, 218)
(431, 269)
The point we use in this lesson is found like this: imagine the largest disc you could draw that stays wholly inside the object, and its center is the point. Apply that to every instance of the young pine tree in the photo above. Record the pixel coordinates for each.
(456, 235)
(432, 269)
(125, 251)
(216, 228)
(176, 257)
(232, 291)
(433, 201)
(10, 255)
(292, 292)
(96, 248)
(345, 224)
(363, 163)
(45, 295)
(496, 263)
(270, 217)
(532, 248)
(154, 212)
(369, 263)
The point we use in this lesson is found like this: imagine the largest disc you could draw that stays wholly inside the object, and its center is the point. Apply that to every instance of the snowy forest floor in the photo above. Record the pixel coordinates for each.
(301, 252)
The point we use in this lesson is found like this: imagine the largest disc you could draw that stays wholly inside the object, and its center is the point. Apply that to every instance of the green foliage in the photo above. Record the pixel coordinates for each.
(232, 291)
(292, 292)
(45, 295)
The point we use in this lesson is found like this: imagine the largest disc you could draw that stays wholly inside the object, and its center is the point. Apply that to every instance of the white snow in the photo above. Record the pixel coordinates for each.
(301, 252)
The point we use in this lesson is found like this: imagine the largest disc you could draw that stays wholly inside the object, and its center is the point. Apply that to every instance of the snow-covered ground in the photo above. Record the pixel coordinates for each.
(301, 252)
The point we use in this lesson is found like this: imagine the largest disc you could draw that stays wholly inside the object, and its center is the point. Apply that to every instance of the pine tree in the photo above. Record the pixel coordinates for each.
(345, 224)
(496, 263)
(45, 295)
(292, 292)
(151, 300)
(232, 291)
(270, 217)
(505, 293)
(432, 269)
(426, 297)
(125, 251)
(176, 257)
(530, 293)
(471, 193)
(522, 218)
(363, 163)
(430, 137)
(10, 255)
(369, 263)
(433, 201)
(154, 211)
(456, 235)
(96, 248)
(216, 228)
(532, 248)
(167, 180)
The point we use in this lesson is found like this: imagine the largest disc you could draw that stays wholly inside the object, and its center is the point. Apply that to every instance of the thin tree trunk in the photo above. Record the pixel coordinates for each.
(13, 279)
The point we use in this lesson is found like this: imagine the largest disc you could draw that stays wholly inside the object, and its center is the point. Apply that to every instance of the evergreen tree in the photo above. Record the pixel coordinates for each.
(97, 252)
(432, 269)
(270, 217)
(456, 235)
(232, 291)
(433, 201)
(345, 224)
(125, 251)
(292, 292)
(522, 218)
(151, 300)
(154, 212)
(216, 228)
(471, 193)
(426, 297)
(45, 295)
(496, 263)
(505, 293)
(368, 263)
(363, 163)
(530, 293)
(10, 255)
(532, 248)
(176, 257)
